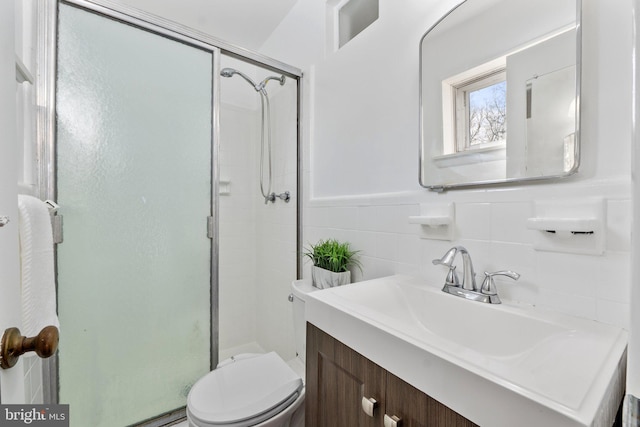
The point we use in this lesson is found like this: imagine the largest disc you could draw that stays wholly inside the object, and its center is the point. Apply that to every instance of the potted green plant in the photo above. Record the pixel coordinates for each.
(331, 262)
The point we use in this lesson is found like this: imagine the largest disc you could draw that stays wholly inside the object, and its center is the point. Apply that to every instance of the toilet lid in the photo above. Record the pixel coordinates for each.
(243, 390)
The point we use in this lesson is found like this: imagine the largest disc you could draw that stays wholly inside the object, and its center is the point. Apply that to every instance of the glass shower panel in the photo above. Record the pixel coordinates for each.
(134, 159)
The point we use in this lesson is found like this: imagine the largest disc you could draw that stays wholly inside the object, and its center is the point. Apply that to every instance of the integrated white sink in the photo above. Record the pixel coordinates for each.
(498, 365)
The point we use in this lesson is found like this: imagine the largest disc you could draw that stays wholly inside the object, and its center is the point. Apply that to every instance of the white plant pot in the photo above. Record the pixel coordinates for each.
(323, 279)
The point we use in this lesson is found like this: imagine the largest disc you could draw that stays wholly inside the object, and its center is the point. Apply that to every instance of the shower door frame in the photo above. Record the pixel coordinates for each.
(46, 138)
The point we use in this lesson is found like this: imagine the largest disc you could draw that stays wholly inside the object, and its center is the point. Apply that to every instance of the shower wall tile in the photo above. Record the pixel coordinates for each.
(276, 232)
(237, 229)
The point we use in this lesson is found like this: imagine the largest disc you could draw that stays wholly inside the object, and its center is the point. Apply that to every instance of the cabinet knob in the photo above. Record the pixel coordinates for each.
(392, 421)
(369, 405)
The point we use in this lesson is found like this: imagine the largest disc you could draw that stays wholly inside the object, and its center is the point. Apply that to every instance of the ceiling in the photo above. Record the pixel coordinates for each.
(245, 23)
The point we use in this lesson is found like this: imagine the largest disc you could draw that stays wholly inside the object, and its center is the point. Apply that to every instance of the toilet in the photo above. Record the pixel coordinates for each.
(255, 389)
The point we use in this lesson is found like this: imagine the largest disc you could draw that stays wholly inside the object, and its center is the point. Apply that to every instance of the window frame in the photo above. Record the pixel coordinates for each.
(455, 111)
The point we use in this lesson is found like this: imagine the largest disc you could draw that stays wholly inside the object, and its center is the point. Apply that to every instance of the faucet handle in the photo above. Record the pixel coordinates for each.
(447, 261)
(452, 277)
(489, 286)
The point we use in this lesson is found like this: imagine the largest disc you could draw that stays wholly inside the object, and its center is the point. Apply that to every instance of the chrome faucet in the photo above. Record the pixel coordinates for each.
(468, 274)
(467, 288)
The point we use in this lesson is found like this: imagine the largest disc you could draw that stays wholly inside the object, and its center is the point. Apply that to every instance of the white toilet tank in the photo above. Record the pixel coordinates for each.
(299, 291)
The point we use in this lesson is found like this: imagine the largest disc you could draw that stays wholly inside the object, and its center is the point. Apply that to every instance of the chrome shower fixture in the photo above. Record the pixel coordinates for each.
(230, 72)
(265, 134)
(263, 83)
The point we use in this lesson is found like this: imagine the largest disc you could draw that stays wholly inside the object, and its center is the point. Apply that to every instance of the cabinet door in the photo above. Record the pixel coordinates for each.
(416, 409)
(337, 380)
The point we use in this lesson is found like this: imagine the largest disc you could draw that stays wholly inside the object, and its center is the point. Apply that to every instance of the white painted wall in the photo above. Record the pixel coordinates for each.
(361, 161)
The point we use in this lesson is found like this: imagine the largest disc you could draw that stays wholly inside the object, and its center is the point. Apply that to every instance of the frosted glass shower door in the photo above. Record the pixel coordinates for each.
(133, 175)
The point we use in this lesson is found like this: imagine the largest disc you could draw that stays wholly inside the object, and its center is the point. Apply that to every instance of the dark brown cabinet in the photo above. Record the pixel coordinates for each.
(339, 379)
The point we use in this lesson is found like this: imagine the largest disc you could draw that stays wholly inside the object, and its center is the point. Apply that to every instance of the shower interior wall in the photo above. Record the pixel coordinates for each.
(257, 242)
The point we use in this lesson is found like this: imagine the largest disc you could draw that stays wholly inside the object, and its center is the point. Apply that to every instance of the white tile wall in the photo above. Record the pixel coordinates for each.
(237, 274)
(257, 248)
(494, 231)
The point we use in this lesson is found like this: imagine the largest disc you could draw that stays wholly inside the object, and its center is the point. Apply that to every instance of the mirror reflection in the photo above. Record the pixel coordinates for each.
(499, 93)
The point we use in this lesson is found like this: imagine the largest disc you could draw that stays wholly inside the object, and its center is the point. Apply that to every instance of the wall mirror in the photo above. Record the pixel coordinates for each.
(500, 93)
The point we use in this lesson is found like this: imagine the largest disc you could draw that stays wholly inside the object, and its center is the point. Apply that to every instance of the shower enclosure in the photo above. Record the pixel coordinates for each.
(171, 258)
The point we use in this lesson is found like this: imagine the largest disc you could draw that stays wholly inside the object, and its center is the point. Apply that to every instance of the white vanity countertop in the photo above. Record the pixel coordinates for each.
(497, 365)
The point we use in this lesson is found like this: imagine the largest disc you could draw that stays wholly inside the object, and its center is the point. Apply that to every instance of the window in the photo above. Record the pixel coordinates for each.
(475, 109)
(353, 17)
(481, 112)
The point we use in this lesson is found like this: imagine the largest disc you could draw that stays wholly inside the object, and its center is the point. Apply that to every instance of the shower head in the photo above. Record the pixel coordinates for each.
(230, 72)
(263, 83)
(227, 72)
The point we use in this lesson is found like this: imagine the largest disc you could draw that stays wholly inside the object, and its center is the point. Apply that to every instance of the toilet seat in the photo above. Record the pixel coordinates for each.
(244, 393)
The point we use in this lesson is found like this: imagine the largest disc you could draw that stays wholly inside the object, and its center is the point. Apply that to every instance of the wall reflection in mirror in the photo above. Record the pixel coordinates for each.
(499, 82)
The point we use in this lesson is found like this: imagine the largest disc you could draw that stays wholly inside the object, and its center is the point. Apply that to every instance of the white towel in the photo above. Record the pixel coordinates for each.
(36, 266)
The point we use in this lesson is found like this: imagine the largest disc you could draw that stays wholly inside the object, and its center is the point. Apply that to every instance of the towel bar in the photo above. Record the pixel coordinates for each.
(13, 345)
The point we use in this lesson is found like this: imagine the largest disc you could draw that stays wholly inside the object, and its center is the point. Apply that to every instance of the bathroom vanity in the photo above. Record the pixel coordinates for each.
(430, 358)
(345, 388)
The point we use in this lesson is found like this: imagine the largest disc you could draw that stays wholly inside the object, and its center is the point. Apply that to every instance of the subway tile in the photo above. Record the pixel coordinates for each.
(497, 238)
(572, 305)
(521, 292)
(406, 268)
(408, 249)
(480, 252)
(614, 313)
(509, 222)
(313, 217)
(619, 219)
(391, 219)
(613, 282)
(373, 268)
(369, 218)
(568, 273)
(386, 246)
(341, 217)
(473, 221)
(515, 257)
(365, 242)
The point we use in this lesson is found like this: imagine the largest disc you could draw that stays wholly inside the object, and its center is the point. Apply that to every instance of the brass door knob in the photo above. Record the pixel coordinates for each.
(13, 345)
